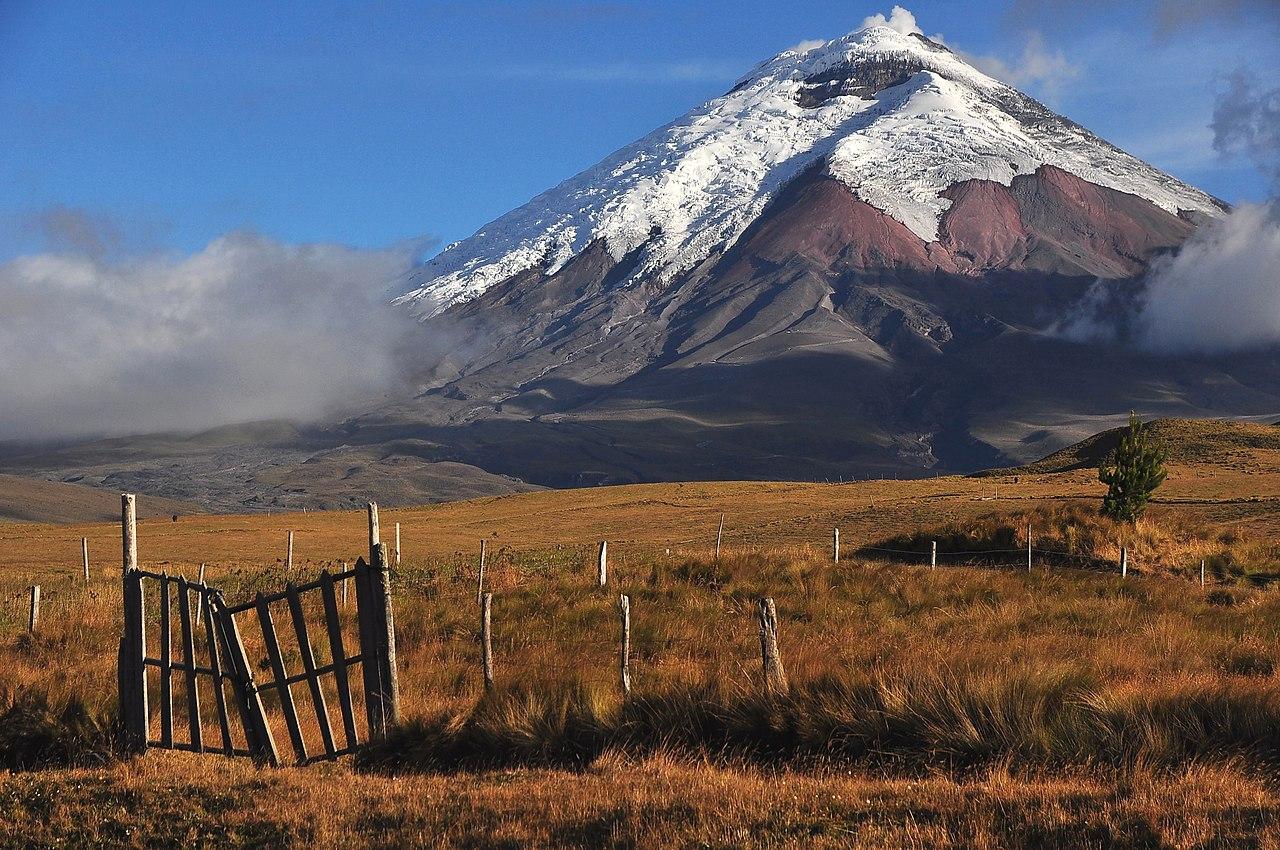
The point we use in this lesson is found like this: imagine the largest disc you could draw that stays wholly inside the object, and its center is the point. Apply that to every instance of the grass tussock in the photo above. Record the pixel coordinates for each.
(915, 722)
(38, 733)
(1073, 535)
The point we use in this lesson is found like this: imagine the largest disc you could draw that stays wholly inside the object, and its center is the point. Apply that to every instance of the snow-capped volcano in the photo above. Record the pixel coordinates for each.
(895, 117)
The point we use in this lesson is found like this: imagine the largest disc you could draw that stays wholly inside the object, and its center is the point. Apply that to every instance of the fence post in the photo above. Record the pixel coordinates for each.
(288, 555)
(486, 639)
(775, 676)
(397, 544)
(132, 678)
(933, 555)
(602, 564)
(345, 585)
(1028, 547)
(378, 644)
(480, 574)
(1202, 573)
(835, 545)
(1124, 562)
(624, 659)
(33, 619)
(375, 536)
(719, 535)
(84, 553)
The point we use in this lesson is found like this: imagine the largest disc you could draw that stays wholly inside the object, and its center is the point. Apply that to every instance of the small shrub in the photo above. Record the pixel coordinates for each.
(1132, 473)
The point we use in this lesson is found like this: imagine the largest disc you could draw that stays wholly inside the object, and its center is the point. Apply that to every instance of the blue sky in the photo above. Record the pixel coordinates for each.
(165, 125)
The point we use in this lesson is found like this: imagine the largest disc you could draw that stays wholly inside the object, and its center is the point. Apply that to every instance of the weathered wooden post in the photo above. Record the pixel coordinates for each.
(835, 546)
(775, 676)
(397, 544)
(624, 658)
(1202, 573)
(375, 536)
(200, 595)
(719, 536)
(129, 530)
(345, 585)
(486, 638)
(1028, 547)
(933, 555)
(248, 699)
(133, 643)
(1124, 562)
(602, 564)
(387, 624)
(84, 556)
(480, 574)
(378, 642)
(288, 555)
(33, 619)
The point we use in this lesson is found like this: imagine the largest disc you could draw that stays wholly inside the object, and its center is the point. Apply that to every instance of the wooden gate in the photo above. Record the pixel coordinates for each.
(214, 652)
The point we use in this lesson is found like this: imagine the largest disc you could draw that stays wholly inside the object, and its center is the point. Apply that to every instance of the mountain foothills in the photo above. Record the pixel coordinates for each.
(859, 261)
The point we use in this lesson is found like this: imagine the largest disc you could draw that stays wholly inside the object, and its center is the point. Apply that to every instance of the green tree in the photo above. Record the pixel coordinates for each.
(1132, 472)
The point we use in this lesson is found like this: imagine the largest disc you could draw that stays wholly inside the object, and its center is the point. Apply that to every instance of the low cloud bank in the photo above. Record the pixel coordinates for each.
(1221, 292)
(247, 328)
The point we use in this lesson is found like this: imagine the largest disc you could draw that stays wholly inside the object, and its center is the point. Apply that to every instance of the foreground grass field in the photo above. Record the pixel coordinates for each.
(978, 705)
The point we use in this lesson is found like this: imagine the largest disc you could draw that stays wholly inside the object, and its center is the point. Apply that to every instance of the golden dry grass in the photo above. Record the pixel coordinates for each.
(170, 800)
(1152, 653)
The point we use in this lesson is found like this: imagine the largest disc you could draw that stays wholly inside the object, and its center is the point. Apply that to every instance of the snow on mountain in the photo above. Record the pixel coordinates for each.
(896, 117)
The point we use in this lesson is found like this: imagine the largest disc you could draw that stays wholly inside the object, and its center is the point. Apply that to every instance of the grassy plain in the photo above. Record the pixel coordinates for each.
(977, 705)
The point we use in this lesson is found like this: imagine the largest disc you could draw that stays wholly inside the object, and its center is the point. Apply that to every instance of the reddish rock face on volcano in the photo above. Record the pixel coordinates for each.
(1050, 221)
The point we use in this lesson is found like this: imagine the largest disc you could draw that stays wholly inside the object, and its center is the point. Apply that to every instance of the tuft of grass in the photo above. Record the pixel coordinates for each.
(37, 733)
(1073, 535)
(915, 722)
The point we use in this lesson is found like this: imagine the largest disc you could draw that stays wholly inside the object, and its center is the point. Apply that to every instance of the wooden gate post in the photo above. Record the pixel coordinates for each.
(775, 676)
(378, 642)
(375, 534)
(132, 677)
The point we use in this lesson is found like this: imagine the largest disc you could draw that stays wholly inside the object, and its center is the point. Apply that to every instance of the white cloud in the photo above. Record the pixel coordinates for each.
(899, 19)
(807, 45)
(247, 328)
(1039, 70)
(1221, 292)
